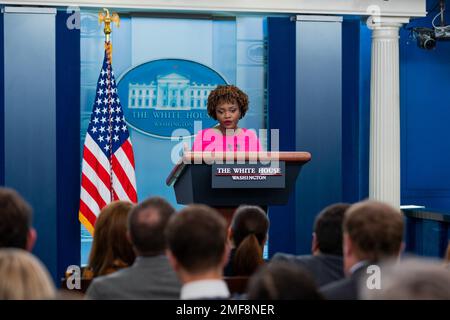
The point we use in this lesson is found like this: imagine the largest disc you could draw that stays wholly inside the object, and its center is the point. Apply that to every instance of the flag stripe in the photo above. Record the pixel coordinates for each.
(125, 164)
(92, 176)
(93, 191)
(122, 176)
(87, 213)
(97, 167)
(97, 151)
(118, 189)
(128, 150)
(90, 202)
(115, 196)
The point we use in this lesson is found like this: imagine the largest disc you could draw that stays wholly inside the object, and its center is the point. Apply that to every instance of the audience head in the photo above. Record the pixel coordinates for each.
(281, 280)
(147, 223)
(111, 249)
(373, 232)
(411, 279)
(197, 239)
(248, 232)
(15, 221)
(23, 277)
(327, 236)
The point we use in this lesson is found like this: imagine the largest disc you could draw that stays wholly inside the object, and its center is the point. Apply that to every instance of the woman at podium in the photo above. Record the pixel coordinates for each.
(227, 104)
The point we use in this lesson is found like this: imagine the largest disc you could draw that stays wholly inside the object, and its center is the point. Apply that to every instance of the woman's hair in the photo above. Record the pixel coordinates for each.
(281, 280)
(249, 231)
(23, 277)
(111, 249)
(227, 94)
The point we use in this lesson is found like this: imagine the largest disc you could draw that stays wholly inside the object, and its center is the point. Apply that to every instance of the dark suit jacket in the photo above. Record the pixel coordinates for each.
(147, 278)
(347, 288)
(228, 270)
(324, 268)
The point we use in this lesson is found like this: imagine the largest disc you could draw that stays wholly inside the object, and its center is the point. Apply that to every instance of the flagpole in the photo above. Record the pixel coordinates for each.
(118, 150)
(106, 18)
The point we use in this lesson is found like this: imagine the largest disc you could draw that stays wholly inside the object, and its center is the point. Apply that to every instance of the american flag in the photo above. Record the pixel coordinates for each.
(108, 160)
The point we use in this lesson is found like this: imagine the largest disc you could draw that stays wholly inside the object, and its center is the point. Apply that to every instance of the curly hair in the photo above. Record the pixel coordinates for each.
(227, 94)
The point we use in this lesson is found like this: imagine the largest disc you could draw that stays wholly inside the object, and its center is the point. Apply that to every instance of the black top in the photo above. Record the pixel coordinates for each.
(324, 268)
(347, 288)
(228, 270)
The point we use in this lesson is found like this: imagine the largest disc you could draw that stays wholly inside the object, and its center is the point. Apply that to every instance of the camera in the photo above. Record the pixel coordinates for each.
(426, 38)
(442, 33)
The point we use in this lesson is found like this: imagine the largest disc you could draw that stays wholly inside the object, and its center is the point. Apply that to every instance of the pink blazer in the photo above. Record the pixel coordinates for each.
(213, 140)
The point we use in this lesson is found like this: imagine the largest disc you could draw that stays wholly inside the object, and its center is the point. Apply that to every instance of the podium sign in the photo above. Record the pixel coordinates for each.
(222, 180)
(248, 176)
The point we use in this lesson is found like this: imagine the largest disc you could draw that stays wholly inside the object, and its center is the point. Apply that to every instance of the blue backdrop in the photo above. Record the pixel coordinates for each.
(304, 62)
(45, 103)
(234, 48)
(41, 128)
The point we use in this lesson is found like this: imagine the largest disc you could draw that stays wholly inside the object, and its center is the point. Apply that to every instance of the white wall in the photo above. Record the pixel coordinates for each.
(408, 8)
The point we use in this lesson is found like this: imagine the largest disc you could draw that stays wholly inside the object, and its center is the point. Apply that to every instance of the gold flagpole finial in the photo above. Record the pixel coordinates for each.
(107, 18)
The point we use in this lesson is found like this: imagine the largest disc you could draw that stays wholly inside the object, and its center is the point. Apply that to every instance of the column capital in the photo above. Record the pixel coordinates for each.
(385, 27)
(376, 22)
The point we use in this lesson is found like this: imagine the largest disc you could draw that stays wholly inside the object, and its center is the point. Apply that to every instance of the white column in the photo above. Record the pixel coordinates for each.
(384, 176)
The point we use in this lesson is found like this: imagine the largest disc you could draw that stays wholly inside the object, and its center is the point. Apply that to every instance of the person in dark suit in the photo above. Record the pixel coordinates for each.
(411, 279)
(326, 263)
(150, 276)
(198, 250)
(373, 233)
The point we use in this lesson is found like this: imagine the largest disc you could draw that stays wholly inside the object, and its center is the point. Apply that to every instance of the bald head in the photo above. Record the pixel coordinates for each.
(147, 223)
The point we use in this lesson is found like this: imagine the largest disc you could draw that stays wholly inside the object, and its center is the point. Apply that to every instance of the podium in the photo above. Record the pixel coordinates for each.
(226, 180)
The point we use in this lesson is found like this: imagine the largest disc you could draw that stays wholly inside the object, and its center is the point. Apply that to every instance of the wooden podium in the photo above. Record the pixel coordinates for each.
(226, 180)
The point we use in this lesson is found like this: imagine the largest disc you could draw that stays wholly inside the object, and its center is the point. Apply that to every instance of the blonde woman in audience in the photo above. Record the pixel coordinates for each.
(111, 249)
(23, 277)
